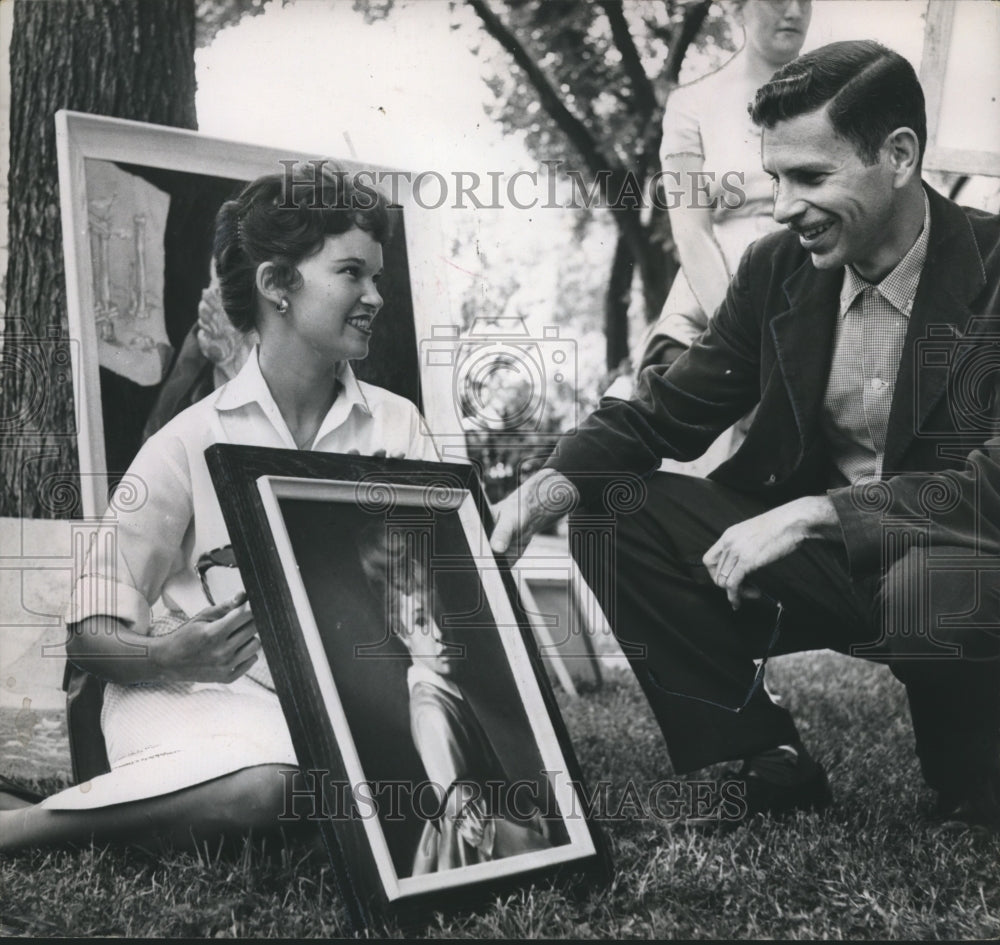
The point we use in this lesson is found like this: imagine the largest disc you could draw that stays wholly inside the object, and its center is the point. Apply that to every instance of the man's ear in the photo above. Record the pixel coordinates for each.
(266, 285)
(903, 151)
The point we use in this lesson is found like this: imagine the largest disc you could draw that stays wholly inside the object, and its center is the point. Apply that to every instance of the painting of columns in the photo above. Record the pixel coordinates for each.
(126, 220)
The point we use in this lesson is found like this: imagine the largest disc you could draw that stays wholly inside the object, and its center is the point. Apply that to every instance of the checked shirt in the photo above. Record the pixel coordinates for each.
(869, 343)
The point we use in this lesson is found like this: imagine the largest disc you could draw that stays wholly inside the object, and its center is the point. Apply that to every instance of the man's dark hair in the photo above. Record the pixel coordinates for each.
(871, 91)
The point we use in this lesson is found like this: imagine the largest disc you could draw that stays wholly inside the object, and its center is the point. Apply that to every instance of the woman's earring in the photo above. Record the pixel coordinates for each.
(282, 306)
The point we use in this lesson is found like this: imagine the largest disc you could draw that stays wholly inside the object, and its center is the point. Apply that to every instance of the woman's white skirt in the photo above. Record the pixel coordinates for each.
(162, 738)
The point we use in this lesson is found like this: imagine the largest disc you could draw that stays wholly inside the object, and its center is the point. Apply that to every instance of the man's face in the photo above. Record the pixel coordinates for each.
(842, 210)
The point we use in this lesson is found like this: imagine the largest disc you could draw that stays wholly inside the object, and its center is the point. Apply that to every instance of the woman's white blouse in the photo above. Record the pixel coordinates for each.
(165, 513)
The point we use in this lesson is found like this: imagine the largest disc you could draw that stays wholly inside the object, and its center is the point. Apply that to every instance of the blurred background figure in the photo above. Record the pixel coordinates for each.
(212, 354)
(711, 156)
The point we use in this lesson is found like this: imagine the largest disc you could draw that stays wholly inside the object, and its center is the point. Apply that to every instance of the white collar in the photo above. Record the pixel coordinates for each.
(249, 386)
(898, 287)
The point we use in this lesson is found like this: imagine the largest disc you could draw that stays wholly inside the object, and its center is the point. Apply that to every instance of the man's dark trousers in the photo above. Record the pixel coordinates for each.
(694, 656)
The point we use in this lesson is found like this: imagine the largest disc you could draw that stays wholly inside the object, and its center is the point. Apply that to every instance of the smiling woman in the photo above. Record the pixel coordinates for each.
(194, 731)
(308, 287)
(329, 315)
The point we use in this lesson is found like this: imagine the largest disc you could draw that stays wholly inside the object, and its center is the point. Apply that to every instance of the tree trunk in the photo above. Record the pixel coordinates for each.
(658, 266)
(616, 303)
(122, 58)
(641, 249)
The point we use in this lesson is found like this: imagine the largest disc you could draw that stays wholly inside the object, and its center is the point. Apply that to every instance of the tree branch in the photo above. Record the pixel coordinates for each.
(642, 88)
(570, 125)
(627, 219)
(694, 16)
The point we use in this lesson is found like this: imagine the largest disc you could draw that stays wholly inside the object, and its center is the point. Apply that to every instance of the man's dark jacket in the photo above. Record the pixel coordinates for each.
(772, 341)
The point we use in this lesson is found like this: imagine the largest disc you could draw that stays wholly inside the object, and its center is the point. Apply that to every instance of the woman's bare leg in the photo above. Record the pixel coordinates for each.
(249, 799)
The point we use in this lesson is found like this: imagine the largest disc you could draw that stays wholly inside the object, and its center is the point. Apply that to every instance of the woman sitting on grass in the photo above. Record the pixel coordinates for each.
(195, 736)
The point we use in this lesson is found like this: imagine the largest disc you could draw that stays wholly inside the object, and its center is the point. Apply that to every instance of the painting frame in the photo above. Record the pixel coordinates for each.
(946, 97)
(84, 139)
(261, 491)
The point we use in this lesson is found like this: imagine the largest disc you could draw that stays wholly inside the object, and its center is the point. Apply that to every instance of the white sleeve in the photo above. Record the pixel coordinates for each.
(681, 125)
(139, 542)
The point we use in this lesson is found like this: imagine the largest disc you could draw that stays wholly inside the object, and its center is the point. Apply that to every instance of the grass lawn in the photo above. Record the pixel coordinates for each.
(868, 868)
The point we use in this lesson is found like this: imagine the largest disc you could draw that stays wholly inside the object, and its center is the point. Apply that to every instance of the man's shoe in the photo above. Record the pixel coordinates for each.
(774, 784)
(975, 806)
(811, 793)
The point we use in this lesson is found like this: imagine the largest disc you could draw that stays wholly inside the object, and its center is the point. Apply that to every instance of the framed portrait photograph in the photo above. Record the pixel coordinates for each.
(149, 333)
(430, 747)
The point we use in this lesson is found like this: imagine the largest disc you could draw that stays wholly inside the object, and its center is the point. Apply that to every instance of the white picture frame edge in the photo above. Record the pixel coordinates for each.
(81, 137)
(938, 30)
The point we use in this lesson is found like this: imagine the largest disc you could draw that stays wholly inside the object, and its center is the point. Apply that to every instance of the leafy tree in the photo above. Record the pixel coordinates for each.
(214, 15)
(588, 87)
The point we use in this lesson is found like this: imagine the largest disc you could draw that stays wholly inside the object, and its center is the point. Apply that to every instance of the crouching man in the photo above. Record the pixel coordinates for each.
(862, 512)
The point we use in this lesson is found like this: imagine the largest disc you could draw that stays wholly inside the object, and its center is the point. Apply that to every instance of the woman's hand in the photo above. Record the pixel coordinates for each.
(218, 644)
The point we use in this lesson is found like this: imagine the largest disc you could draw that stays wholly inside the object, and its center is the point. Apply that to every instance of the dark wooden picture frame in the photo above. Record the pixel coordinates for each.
(298, 522)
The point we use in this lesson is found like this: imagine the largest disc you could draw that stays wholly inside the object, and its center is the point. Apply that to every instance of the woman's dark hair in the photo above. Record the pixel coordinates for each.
(871, 91)
(283, 218)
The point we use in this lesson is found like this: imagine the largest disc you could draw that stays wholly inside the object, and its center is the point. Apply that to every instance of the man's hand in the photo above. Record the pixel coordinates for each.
(748, 546)
(545, 498)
